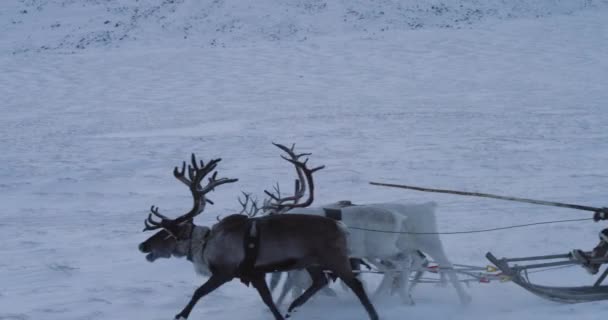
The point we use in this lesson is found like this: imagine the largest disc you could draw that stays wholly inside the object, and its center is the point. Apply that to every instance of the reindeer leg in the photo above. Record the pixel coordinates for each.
(341, 269)
(355, 265)
(213, 283)
(287, 286)
(443, 261)
(275, 277)
(403, 282)
(319, 280)
(421, 263)
(417, 276)
(259, 283)
(357, 287)
(388, 269)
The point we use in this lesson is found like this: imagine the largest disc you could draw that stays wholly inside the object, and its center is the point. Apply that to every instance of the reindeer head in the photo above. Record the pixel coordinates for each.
(176, 235)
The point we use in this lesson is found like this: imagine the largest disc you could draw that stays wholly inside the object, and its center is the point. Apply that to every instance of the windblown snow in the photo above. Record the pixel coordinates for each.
(102, 98)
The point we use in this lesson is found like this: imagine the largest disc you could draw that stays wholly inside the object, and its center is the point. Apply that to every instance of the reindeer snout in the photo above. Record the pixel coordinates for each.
(143, 247)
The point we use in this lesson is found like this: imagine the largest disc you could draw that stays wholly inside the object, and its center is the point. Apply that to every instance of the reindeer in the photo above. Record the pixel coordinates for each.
(247, 248)
(392, 244)
(395, 250)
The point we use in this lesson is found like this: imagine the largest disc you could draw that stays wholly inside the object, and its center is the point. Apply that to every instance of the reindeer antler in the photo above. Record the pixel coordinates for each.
(153, 225)
(276, 203)
(196, 173)
(249, 204)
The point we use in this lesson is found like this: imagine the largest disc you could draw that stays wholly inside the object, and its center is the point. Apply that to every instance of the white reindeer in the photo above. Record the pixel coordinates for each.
(390, 232)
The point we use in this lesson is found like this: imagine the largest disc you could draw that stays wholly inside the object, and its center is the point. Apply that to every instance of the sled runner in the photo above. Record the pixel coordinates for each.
(519, 275)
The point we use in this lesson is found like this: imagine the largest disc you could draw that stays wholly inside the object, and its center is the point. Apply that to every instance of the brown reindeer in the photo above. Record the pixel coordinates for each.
(247, 248)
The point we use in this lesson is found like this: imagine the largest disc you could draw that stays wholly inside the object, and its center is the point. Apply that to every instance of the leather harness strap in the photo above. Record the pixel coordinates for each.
(252, 249)
(335, 214)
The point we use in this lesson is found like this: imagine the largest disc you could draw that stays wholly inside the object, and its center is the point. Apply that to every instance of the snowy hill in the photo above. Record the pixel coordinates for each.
(507, 97)
(69, 25)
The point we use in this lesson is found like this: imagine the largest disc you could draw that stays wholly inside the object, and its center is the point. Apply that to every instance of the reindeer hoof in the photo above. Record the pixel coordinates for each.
(289, 314)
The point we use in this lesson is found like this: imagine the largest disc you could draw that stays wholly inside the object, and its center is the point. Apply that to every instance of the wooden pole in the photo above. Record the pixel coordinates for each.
(493, 196)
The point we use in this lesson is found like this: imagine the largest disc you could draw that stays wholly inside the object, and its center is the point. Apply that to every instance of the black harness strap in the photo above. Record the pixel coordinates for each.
(252, 249)
(335, 214)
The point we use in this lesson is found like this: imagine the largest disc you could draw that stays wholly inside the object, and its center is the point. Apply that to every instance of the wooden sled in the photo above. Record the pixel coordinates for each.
(518, 275)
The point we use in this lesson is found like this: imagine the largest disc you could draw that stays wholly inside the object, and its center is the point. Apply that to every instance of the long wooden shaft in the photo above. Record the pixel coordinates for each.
(493, 196)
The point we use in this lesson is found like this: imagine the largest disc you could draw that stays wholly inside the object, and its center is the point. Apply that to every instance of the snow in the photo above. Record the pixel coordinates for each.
(509, 102)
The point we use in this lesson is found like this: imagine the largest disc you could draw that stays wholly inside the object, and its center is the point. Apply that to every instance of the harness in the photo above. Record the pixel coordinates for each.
(335, 214)
(251, 245)
(251, 242)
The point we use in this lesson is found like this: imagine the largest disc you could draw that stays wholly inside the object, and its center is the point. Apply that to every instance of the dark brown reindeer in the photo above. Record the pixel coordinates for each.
(247, 248)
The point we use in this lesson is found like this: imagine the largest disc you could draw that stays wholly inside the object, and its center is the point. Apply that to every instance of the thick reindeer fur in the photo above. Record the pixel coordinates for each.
(362, 244)
(278, 250)
(395, 246)
(286, 242)
(198, 243)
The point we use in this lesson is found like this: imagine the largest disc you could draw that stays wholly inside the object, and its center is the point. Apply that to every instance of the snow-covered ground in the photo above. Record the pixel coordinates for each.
(76, 25)
(514, 102)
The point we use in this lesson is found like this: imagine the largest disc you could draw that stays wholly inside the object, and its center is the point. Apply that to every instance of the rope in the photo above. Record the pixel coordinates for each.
(474, 231)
